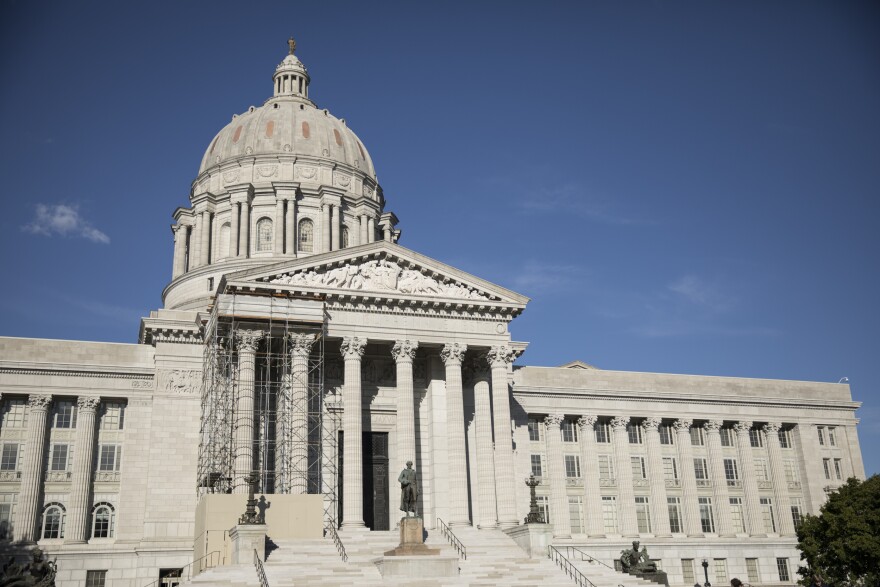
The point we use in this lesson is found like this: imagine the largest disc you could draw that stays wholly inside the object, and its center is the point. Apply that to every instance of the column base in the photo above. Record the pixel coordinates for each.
(596, 536)
(459, 523)
(508, 525)
(663, 535)
(493, 526)
(700, 535)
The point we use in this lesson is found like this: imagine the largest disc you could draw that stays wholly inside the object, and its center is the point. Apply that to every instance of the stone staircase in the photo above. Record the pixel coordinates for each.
(603, 576)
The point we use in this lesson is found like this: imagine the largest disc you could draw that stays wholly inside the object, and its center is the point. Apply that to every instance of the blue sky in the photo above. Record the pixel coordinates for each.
(680, 187)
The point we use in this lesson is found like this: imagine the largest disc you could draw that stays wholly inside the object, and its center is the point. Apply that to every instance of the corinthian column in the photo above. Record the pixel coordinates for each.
(244, 409)
(205, 239)
(290, 226)
(483, 434)
(559, 516)
(719, 481)
(244, 247)
(500, 359)
(296, 417)
(278, 225)
(404, 351)
(80, 490)
(353, 475)
(659, 505)
(234, 230)
(784, 523)
(590, 471)
(627, 497)
(325, 228)
(32, 470)
(452, 355)
(690, 507)
(754, 520)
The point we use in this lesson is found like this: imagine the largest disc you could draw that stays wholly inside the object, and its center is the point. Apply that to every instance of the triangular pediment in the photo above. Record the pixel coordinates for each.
(379, 269)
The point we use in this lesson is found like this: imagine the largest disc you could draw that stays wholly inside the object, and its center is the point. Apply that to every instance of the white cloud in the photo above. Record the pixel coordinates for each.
(577, 200)
(540, 278)
(63, 220)
(697, 291)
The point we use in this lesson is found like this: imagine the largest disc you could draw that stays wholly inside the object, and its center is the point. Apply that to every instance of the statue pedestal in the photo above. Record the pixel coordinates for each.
(412, 558)
(532, 538)
(246, 538)
(658, 577)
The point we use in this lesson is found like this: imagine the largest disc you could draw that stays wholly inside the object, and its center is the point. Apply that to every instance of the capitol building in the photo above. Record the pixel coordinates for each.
(303, 349)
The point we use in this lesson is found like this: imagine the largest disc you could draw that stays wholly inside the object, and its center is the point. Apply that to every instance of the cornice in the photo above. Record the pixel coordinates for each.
(74, 371)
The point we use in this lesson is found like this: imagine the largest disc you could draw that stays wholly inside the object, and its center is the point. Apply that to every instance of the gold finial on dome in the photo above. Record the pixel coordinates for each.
(292, 44)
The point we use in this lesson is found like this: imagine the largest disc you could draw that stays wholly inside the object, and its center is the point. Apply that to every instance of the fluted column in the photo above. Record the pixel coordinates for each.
(720, 495)
(485, 453)
(325, 227)
(363, 228)
(784, 523)
(296, 440)
(500, 359)
(81, 485)
(404, 351)
(195, 243)
(205, 239)
(353, 475)
(659, 505)
(28, 507)
(179, 250)
(453, 355)
(559, 516)
(754, 520)
(590, 471)
(290, 221)
(337, 227)
(244, 408)
(690, 507)
(234, 230)
(626, 495)
(278, 225)
(371, 229)
(244, 249)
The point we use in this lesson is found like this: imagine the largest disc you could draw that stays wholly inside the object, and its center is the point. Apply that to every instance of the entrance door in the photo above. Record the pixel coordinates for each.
(376, 480)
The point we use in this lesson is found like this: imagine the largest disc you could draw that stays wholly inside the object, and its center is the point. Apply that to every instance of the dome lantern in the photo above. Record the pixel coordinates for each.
(291, 78)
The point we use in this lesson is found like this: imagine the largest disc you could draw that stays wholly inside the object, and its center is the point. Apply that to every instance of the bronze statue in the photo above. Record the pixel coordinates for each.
(291, 44)
(39, 572)
(409, 489)
(637, 561)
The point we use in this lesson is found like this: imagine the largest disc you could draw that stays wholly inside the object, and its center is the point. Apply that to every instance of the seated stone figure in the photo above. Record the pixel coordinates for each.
(637, 561)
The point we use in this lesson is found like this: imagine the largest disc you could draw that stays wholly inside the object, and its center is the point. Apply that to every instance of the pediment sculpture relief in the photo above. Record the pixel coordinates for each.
(381, 275)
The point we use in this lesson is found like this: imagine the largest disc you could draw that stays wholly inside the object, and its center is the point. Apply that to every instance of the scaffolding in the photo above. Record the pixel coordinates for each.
(264, 409)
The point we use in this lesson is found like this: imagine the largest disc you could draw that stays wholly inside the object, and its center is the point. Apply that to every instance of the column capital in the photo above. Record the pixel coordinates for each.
(404, 351)
(39, 402)
(248, 339)
(87, 403)
(772, 427)
(586, 421)
(453, 353)
(300, 343)
(500, 356)
(713, 425)
(353, 347)
(553, 420)
(651, 423)
(742, 427)
(620, 422)
(683, 425)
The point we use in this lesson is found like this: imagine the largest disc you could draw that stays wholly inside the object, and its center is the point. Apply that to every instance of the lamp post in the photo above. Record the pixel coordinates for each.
(534, 516)
(706, 573)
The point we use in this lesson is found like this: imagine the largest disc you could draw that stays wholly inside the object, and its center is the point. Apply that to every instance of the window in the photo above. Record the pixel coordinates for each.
(761, 470)
(756, 439)
(537, 471)
(534, 430)
(673, 504)
(112, 415)
(344, 237)
(14, 414)
(609, 514)
(698, 437)
(569, 431)
(59, 457)
(576, 513)
(785, 438)
(643, 515)
(53, 521)
(572, 466)
(109, 457)
(821, 431)
(736, 514)
(638, 468)
(102, 520)
(96, 578)
(9, 458)
(782, 567)
(767, 514)
(667, 435)
(603, 432)
(7, 513)
(223, 244)
(826, 463)
(726, 437)
(606, 467)
(832, 441)
(730, 471)
(752, 570)
(64, 415)
(670, 468)
(791, 471)
(687, 571)
(634, 432)
(700, 470)
(306, 235)
(797, 512)
(264, 234)
(837, 469)
(543, 507)
(720, 571)
(707, 518)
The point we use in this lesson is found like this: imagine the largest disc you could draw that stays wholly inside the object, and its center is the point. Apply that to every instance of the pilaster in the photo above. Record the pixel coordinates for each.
(28, 507)
(659, 504)
(784, 522)
(690, 507)
(754, 520)
(590, 471)
(626, 494)
(83, 457)
(720, 495)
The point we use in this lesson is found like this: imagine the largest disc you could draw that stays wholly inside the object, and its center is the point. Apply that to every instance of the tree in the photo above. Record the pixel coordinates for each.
(842, 544)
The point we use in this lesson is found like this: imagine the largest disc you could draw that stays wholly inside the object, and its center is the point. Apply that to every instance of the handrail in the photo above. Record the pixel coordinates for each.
(261, 572)
(587, 557)
(186, 572)
(453, 539)
(568, 568)
(340, 548)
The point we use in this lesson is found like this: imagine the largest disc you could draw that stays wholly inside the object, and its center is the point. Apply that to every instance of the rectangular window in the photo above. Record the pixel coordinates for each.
(707, 517)
(731, 473)
(797, 512)
(638, 468)
(603, 433)
(544, 507)
(736, 514)
(726, 437)
(9, 458)
(756, 439)
(785, 438)
(767, 514)
(752, 570)
(670, 468)
(14, 414)
(569, 431)
(697, 436)
(534, 430)
(673, 504)
(609, 514)
(720, 571)
(826, 463)
(761, 470)
(700, 470)
(837, 469)
(643, 515)
(687, 571)
(7, 511)
(821, 431)
(58, 459)
(634, 432)
(576, 513)
(572, 466)
(606, 467)
(112, 415)
(782, 567)
(109, 457)
(96, 578)
(832, 441)
(536, 466)
(791, 471)
(667, 435)
(64, 414)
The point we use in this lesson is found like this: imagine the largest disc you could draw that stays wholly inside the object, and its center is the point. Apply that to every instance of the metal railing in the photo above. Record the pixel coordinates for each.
(453, 539)
(572, 551)
(568, 567)
(261, 572)
(340, 548)
(209, 561)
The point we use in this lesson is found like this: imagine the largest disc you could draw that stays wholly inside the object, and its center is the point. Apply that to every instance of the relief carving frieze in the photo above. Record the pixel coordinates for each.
(180, 381)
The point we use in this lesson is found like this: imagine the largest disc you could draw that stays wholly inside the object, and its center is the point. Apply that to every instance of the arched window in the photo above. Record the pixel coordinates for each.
(264, 234)
(224, 241)
(103, 519)
(306, 235)
(344, 237)
(53, 520)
